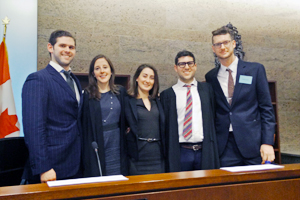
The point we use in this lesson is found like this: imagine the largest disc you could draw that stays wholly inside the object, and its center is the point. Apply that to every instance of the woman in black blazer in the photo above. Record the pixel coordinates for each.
(144, 115)
(103, 122)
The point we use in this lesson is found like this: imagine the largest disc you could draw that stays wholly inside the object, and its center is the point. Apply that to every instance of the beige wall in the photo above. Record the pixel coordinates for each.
(132, 32)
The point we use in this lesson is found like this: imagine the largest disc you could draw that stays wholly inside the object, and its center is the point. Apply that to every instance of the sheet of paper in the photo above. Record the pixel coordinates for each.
(86, 180)
(251, 168)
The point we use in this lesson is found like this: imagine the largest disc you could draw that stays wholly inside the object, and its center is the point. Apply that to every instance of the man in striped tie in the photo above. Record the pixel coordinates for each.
(188, 106)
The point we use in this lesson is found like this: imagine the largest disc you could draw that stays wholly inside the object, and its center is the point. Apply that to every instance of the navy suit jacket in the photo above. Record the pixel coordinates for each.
(50, 119)
(251, 112)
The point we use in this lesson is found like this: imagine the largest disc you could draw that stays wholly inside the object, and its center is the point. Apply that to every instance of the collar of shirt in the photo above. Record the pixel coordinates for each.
(61, 70)
(232, 66)
(181, 84)
(57, 67)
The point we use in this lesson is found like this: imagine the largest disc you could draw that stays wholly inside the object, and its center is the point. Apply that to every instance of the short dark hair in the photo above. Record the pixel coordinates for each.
(222, 31)
(92, 88)
(59, 33)
(182, 54)
(153, 93)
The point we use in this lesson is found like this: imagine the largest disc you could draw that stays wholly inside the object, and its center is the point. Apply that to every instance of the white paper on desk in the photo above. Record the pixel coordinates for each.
(251, 168)
(97, 179)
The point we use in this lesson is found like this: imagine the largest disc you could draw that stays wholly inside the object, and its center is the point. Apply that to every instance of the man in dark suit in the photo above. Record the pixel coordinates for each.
(51, 102)
(245, 121)
(189, 112)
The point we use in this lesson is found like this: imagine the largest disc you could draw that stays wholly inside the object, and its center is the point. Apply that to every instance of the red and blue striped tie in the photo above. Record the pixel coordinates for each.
(187, 125)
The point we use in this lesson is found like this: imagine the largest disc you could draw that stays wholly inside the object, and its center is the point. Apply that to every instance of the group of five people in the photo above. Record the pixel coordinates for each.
(106, 130)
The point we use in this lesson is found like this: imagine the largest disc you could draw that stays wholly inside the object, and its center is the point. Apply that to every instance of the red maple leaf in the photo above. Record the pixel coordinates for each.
(7, 124)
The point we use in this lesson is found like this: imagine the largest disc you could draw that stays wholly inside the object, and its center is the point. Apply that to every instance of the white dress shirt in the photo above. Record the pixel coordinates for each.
(197, 123)
(60, 70)
(223, 78)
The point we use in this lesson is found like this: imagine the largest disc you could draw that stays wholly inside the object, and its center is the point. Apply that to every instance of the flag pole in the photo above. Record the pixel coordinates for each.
(8, 116)
(5, 22)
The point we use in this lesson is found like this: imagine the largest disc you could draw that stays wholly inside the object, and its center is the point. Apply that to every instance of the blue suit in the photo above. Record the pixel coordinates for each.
(251, 112)
(50, 119)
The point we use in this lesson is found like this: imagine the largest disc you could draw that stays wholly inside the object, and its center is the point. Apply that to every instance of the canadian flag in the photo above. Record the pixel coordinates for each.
(9, 125)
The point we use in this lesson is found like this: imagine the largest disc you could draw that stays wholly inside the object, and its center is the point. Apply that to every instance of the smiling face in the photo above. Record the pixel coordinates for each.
(224, 52)
(186, 74)
(145, 80)
(102, 71)
(63, 51)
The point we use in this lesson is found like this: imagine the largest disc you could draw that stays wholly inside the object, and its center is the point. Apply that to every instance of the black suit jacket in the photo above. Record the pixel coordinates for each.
(132, 121)
(93, 131)
(251, 111)
(210, 157)
(50, 118)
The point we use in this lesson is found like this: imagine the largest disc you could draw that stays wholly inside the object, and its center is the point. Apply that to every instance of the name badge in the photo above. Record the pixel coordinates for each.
(245, 79)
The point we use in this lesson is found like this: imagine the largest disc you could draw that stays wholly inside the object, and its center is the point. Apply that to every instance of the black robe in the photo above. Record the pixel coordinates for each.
(92, 130)
(210, 156)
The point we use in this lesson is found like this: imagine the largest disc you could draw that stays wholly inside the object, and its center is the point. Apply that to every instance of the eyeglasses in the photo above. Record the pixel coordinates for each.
(219, 45)
(183, 64)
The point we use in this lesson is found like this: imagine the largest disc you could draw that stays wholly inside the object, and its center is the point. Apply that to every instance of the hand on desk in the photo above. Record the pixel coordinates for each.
(267, 153)
(48, 176)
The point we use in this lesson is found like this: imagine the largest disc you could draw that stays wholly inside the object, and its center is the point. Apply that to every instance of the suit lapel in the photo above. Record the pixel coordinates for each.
(218, 87)
(160, 109)
(237, 88)
(96, 117)
(79, 90)
(204, 108)
(161, 123)
(60, 80)
(132, 102)
(77, 82)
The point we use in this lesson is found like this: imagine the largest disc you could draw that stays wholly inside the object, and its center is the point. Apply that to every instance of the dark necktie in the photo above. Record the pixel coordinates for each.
(230, 86)
(187, 124)
(69, 80)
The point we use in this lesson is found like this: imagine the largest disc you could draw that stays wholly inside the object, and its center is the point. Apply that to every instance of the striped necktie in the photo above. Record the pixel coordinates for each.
(187, 125)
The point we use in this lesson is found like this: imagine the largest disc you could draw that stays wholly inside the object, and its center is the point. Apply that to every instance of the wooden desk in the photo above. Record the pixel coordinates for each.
(205, 184)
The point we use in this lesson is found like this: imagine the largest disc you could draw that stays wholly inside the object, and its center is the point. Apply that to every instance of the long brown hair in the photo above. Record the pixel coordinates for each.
(93, 88)
(153, 93)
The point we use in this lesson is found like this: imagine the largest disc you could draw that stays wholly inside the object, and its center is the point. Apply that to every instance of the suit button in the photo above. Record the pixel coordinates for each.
(230, 113)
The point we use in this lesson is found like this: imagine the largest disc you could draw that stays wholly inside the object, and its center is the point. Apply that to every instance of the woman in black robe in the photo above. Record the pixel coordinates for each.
(103, 122)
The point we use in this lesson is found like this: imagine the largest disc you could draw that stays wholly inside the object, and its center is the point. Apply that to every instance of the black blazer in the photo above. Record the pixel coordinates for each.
(93, 131)
(251, 112)
(210, 156)
(132, 121)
